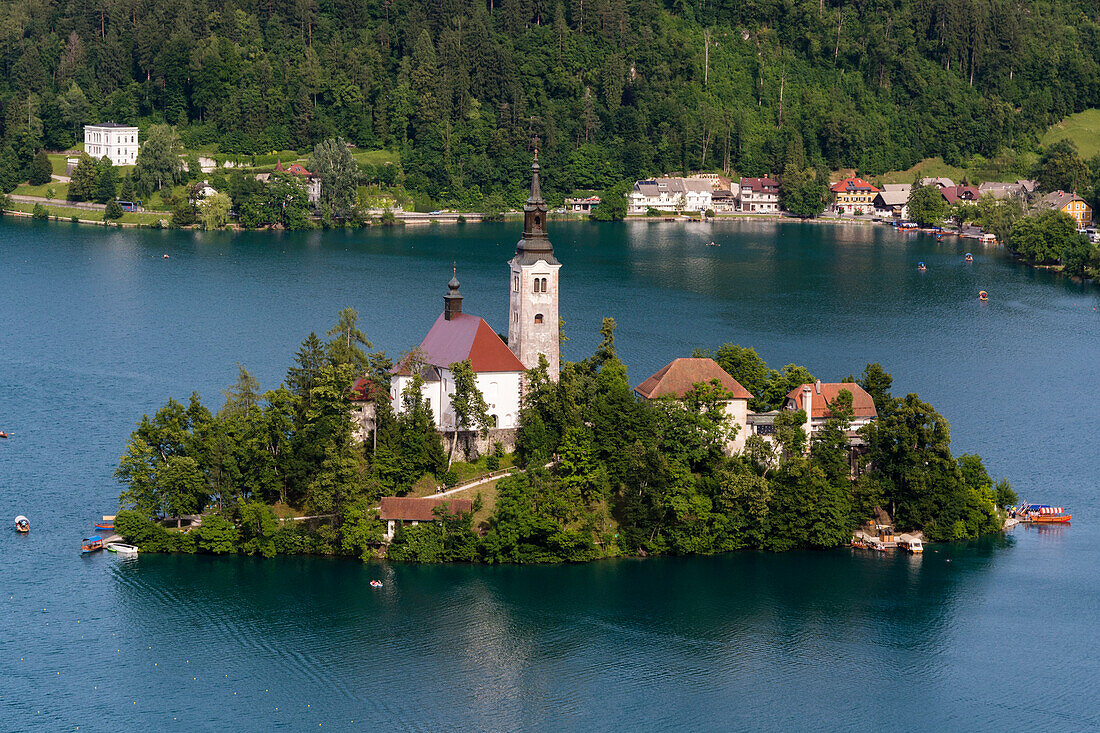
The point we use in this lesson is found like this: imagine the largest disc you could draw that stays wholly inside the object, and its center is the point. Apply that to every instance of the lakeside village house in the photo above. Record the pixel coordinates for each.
(703, 192)
(311, 181)
(533, 333)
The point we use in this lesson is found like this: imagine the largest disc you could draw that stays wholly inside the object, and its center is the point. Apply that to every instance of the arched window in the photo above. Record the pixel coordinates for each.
(544, 285)
(494, 421)
(515, 283)
(538, 318)
(538, 221)
(535, 285)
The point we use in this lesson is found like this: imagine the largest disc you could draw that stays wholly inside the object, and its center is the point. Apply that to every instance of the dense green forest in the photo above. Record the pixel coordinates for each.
(607, 474)
(613, 89)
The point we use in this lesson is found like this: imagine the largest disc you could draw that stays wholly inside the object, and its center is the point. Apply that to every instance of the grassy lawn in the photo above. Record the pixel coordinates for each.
(1082, 129)
(66, 212)
(58, 163)
(376, 157)
(928, 168)
(60, 190)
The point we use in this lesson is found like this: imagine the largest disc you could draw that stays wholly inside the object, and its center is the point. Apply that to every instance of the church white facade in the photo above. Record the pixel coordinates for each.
(498, 367)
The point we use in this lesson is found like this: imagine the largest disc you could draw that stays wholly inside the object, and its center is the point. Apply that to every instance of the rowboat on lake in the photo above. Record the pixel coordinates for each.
(22, 524)
(123, 549)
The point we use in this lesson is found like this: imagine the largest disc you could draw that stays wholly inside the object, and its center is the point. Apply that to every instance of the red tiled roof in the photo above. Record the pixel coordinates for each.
(415, 509)
(681, 375)
(862, 404)
(852, 184)
(759, 183)
(467, 337)
(296, 168)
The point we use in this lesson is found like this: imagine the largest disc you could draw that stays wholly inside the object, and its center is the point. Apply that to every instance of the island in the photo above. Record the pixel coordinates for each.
(473, 447)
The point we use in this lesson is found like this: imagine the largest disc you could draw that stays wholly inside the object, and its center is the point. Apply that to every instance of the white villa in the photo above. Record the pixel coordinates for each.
(119, 143)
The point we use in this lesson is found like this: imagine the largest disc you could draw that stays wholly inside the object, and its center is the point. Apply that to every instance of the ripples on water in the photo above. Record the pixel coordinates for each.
(97, 328)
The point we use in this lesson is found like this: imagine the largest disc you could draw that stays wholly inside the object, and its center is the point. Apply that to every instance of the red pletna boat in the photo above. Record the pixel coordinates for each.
(1042, 514)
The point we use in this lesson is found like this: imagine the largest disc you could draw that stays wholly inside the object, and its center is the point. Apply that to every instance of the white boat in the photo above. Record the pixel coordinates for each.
(22, 525)
(122, 549)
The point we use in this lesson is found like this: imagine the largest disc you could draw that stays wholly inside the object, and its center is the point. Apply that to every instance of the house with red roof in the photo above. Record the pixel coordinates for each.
(311, 181)
(854, 196)
(680, 376)
(816, 399)
(406, 511)
(760, 195)
(456, 336)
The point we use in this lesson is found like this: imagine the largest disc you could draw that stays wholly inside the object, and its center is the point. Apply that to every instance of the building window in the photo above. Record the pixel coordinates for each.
(538, 319)
(494, 421)
(515, 283)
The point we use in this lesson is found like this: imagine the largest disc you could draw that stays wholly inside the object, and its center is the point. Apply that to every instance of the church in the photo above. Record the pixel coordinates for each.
(456, 336)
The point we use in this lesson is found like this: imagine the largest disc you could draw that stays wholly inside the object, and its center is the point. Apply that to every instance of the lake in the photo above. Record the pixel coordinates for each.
(96, 328)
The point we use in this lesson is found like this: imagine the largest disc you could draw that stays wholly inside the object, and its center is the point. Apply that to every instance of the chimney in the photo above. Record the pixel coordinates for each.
(817, 386)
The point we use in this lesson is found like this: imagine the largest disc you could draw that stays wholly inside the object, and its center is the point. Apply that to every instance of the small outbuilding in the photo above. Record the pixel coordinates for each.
(405, 511)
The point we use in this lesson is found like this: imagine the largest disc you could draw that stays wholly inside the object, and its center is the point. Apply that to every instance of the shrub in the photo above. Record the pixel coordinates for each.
(217, 535)
(40, 212)
(113, 210)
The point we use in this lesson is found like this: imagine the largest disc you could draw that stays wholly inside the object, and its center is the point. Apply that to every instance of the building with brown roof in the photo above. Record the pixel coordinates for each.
(760, 195)
(1069, 203)
(817, 398)
(680, 376)
(406, 511)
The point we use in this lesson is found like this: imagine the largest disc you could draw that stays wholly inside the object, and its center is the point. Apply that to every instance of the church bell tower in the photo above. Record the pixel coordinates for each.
(533, 305)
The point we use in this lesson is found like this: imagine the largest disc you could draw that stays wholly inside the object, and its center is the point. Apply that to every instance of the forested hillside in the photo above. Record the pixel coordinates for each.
(614, 89)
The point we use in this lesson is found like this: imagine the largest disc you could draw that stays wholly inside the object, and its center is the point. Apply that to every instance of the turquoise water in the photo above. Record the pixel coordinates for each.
(97, 327)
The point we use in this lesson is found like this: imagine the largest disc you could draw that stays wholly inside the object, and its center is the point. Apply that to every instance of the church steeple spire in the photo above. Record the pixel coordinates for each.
(533, 325)
(452, 301)
(535, 244)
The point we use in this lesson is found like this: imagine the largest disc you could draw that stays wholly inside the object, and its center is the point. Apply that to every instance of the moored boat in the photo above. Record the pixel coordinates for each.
(91, 544)
(108, 522)
(122, 549)
(1042, 514)
(911, 545)
(22, 524)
